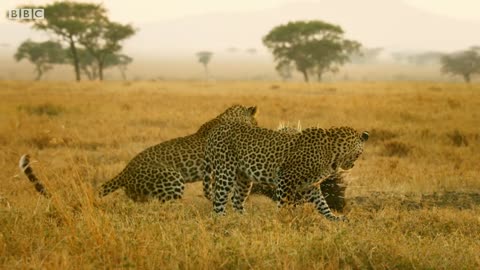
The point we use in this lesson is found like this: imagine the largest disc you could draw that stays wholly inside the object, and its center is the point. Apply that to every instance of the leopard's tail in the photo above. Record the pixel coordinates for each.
(105, 189)
(111, 185)
(25, 167)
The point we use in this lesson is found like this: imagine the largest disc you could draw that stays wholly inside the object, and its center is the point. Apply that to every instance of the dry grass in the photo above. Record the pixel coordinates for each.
(424, 147)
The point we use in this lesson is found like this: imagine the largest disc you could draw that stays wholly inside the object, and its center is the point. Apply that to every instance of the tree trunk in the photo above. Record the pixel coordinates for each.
(466, 77)
(94, 68)
(305, 75)
(100, 70)
(319, 76)
(76, 63)
(206, 72)
(87, 72)
(123, 71)
(38, 69)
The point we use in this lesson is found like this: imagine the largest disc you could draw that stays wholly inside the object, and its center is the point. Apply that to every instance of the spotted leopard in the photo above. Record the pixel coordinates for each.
(162, 170)
(294, 163)
(333, 188)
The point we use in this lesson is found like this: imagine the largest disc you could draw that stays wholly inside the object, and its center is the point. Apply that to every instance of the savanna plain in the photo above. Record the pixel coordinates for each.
(412, 199)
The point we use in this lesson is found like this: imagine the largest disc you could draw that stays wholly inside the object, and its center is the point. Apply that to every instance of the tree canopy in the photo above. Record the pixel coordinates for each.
(121, 61)
(89, 67)
(83, 24)
(313, 47)
(103, 40)
(68, 20)
(204, 58)
(42, 54)
(464, 63)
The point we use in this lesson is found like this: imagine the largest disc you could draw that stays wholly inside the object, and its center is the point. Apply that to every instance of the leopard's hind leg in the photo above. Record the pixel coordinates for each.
(154, 181)
(242, 188)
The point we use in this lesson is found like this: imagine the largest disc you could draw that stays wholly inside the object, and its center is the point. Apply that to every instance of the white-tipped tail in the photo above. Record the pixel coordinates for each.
(24, 165)
(24, 162)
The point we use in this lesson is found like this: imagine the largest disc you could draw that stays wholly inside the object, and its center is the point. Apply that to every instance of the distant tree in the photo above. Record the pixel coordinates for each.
(311, 46)
(68, 20)
(120, 61)
(418, 58)
(426, 58)
(400, 57)
(464, 63)
(42, 54)
(84, 24)
(204, 58)
(366, 55)
(89, 65)
(328, 56)
(103, 39)
(86, 62)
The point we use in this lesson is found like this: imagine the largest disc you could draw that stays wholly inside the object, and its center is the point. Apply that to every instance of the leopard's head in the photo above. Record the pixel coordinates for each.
(239, 113)
(350, 145)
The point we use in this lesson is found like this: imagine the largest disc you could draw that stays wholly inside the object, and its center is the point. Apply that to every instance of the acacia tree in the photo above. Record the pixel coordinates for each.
(204, 58)
(89, 66)
(464, 63)
(86, 62)
(68, 20)
(311, 46)
(42, 54)
(103, 39)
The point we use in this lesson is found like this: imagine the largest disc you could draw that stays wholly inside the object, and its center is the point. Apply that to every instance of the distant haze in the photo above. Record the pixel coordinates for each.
(391, 24)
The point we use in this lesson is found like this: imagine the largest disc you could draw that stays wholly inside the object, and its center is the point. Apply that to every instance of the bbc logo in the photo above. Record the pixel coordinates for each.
(26, 13)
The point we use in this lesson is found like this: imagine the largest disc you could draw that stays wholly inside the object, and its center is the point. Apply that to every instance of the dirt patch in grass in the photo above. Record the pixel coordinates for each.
(379, 200)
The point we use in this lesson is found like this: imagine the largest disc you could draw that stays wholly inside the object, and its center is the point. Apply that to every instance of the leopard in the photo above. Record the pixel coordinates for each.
(333, 187)
(161, 171)
(295, 164)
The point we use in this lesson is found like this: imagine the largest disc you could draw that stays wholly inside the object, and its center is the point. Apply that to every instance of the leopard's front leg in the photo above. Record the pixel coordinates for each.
(242, 188)
(315, 196)
(284, 193)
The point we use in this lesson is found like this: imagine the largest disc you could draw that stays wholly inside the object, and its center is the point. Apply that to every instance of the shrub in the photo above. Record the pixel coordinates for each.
(457, 138)
(382, 135)
(397, 149)
(42, 109)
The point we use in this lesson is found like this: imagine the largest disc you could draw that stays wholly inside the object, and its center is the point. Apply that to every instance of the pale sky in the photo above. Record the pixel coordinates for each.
(460, 9)
(157, 10)
(153, 10)
(218, 24)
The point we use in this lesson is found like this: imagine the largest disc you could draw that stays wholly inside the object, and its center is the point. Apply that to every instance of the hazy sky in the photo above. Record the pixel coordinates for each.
(154, 10)
(218, 24)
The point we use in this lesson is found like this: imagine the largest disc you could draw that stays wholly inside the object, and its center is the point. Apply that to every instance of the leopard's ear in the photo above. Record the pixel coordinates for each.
(253, 110)
(364, 136)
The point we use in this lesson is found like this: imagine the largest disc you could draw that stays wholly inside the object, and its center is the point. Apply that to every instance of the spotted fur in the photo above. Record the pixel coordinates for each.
(294, 163)
(333, 189)
(162, 170)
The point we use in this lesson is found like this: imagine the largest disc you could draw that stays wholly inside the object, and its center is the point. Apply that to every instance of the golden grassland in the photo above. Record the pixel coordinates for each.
(413, 194)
